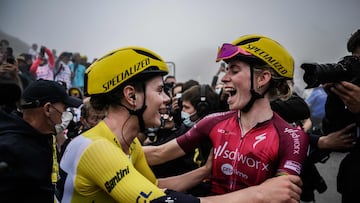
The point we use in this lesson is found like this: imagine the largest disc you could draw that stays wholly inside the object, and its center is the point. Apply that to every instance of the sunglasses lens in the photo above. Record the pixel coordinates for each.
(228, 50)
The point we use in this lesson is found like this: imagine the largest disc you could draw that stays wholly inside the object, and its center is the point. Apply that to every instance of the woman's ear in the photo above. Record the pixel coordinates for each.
(129, 94)
(264, 78)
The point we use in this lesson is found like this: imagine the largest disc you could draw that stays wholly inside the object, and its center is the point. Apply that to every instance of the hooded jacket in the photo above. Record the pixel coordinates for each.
(26, 159)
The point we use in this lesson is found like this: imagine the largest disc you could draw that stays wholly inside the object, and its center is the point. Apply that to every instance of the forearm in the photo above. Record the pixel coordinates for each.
(34, 66)
(50, 58)
(251, 194)
(282, 189)
(160, 154)
(185, 181)
(322, 143)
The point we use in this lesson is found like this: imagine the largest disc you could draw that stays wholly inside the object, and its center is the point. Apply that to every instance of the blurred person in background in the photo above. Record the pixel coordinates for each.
(43, 67)
(24, 71)
(62, 70)
(10, 87)
(77, 72)
(33, 51)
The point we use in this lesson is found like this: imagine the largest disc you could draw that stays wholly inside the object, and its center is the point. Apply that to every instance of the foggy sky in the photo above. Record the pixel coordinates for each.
(186, 32)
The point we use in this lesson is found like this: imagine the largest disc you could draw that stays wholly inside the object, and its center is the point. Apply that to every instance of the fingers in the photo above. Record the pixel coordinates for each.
(293, 191)
(348, 86)
(339, 90)
(295, 186)
(345, 90)
(295, 180)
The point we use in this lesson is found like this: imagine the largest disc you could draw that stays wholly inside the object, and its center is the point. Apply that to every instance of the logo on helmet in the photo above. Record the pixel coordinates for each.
(267, 58)
(126, 74)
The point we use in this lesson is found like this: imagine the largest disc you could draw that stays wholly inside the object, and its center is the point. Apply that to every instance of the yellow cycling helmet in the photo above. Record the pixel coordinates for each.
(254, 47)
(118, 66)
(270, 51)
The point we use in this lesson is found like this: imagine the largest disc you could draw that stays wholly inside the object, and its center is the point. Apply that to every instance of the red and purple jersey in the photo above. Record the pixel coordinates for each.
(270, 148)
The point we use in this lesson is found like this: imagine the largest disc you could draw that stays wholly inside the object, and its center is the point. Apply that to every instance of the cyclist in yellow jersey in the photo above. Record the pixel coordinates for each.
(107, 163)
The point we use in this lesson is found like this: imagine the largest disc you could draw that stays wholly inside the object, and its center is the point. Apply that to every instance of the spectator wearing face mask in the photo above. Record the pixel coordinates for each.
(27, 144)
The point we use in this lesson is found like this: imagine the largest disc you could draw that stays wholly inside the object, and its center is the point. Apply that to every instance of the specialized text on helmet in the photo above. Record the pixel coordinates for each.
(268, 58)
(113, 82)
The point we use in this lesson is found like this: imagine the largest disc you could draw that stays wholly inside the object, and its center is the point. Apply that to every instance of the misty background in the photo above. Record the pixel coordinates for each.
(187, 32)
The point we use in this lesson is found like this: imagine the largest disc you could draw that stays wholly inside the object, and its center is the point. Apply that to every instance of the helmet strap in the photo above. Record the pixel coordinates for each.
(254, 94)
(139, 112)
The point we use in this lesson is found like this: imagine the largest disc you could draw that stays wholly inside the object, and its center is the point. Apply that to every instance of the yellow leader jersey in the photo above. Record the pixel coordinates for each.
(99, 171)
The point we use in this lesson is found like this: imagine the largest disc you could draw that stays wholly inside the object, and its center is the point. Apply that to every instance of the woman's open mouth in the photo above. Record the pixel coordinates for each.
(231, 91)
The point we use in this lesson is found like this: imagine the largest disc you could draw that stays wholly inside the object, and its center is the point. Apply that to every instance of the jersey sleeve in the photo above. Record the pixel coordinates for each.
(201, 130)
(293, 150)
(141, 164)
(107, 166)
(195, 136)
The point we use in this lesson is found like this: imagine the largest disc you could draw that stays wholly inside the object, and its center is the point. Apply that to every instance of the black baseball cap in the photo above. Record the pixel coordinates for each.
(42, 91)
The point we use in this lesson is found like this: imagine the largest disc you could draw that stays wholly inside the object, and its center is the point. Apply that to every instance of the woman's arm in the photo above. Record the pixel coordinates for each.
(51, 59)
(34, 66)
(188, 180)
(282, 189)
(185, 181)
(160, 154)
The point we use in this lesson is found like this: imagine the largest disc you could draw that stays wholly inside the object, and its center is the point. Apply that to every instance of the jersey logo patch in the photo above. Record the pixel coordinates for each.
(258, 139)
(142, 198)
(293, 165)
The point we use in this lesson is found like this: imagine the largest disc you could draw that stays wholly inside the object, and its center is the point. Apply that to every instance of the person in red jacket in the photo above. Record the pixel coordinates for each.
(42, 67)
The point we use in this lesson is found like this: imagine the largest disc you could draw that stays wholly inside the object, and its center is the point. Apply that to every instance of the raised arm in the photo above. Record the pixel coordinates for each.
(51, 58)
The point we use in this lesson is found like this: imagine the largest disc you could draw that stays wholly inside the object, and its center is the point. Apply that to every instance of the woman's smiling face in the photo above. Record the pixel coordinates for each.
(237, 84)
(156, 100)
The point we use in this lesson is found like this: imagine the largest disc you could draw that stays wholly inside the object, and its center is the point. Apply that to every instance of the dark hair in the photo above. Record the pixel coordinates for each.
(169, 76)
(193, 95)
(178, 84)
(189, 84)
(354, 41)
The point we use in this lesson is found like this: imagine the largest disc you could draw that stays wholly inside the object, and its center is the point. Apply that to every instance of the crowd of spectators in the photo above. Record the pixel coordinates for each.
(47, 102)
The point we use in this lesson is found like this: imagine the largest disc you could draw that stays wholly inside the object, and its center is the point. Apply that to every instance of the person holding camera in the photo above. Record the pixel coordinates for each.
(251, 142)
(341, 82)
(42, 67)
(348, 94)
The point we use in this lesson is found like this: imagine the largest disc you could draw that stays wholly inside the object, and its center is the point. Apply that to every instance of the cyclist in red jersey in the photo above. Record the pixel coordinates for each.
(251, 142)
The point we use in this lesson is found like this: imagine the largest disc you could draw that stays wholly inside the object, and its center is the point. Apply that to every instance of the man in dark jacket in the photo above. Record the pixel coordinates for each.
(27, 163)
